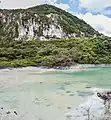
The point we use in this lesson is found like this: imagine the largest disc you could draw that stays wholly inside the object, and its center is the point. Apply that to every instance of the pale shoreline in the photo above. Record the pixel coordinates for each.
(93, 103)
(19, 79)
(77, 66)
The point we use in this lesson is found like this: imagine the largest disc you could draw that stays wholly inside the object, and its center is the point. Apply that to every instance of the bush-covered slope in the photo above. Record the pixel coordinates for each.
(63, 52)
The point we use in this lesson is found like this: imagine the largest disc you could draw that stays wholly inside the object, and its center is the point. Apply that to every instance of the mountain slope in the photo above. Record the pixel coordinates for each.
(41, 22)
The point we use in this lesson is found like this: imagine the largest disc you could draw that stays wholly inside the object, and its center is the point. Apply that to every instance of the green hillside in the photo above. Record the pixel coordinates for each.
(63, 52)
(18, 23)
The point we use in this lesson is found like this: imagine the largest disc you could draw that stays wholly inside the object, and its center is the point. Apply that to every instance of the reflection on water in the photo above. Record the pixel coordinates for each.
(48, 95)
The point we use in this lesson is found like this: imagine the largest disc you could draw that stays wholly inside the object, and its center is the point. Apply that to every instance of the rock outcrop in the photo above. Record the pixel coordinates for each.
(42, 22)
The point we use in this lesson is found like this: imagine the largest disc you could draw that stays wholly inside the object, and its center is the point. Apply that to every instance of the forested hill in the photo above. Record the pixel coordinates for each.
(42, 22)
(22, 30)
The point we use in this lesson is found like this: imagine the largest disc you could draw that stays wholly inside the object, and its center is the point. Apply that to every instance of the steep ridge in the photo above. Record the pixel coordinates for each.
(42, 22)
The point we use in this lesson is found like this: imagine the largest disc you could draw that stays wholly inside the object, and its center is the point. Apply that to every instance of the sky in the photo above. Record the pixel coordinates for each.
(97, 13)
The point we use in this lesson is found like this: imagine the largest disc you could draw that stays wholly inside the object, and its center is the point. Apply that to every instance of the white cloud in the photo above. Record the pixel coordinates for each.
(98, 22)
(51, 1)
(95, 5)
(13, 4)
(62, 6)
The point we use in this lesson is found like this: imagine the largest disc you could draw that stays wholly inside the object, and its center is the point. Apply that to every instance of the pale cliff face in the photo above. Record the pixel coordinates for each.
(23, 26)
(32, 27)
(42, 22)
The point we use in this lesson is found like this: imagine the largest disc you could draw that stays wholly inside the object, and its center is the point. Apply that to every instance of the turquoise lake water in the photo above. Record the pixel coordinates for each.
(37, 94)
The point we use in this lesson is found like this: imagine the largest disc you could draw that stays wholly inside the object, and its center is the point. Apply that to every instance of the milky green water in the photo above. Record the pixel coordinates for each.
(48, 95)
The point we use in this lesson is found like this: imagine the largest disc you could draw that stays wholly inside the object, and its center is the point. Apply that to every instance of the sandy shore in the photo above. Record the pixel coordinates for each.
(76, 66)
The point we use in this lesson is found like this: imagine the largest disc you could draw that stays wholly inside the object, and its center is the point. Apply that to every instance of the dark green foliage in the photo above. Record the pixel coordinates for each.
(64, 52)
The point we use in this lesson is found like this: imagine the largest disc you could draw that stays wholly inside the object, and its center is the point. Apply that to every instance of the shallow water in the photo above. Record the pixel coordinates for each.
(37, 94)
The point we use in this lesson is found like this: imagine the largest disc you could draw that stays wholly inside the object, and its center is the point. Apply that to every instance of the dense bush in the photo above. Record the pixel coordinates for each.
(61, 52)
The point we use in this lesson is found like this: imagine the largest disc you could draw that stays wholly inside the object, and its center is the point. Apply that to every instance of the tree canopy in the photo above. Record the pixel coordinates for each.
(61, 52)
